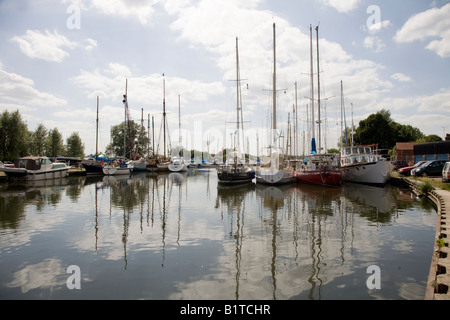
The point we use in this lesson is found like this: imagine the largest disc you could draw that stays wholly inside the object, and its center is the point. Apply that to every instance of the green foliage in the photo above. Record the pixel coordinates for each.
(136, 142)
(54, 145)
(74, 146)
(13, 136)
(426, 187)
(430, 138)
(37, 142)
(379, 128)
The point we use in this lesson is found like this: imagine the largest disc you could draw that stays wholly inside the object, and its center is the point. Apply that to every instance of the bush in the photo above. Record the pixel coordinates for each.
(426, 187)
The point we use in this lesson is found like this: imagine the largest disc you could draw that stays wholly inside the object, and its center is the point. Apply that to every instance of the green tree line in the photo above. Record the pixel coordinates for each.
(379, 128)
(17, 141)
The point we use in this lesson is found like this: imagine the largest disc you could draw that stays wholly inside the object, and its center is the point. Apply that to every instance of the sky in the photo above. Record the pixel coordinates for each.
(57, 57)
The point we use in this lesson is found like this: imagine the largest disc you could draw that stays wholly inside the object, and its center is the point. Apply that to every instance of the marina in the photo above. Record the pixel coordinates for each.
(271, 187)
(173, 236)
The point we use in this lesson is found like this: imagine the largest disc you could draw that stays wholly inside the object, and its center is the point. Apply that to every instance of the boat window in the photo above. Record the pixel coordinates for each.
(368, 150)
(43, 161)
(361, 150)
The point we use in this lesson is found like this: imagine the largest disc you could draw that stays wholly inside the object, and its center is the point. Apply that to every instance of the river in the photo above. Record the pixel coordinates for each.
(182, 236)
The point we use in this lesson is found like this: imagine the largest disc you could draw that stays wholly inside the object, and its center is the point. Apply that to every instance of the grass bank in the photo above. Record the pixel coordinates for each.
(436, 182)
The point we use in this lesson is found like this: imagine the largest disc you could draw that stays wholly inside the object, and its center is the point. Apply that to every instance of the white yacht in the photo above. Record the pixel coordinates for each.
(362, 164)
(178, 165)
(120, 168)
(36, 168)
(273, 172)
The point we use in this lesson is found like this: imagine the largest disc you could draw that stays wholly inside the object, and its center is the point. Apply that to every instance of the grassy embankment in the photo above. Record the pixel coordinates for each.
(436, 182)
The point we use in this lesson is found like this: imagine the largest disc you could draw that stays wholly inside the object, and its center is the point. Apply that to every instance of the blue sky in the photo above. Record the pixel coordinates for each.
(58, 56)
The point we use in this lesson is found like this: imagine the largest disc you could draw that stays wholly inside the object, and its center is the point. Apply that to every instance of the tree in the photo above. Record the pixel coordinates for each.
(14, 135)
(430, 138)
(408, 133)
(37, 146)
(377, 129)
(74, 146)
(380, 129)
(136, 141)
(54, 144)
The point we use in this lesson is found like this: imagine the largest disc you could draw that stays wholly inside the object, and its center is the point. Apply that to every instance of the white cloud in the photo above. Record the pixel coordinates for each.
(401, 77)
(374, 43)
(377, 27)
(147, 89)
(49, 46)
(431, 23)
(438, 102)
(342, 6)
(20, 90)
(142, 9)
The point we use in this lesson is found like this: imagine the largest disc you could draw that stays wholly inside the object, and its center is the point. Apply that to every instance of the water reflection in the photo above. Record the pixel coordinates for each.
(183, 236)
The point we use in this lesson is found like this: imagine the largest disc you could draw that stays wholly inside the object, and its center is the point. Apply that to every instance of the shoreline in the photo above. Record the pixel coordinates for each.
(438, 279)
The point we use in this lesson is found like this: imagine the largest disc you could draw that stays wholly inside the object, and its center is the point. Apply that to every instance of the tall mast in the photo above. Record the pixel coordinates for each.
(125, 120)
(153, 135)
(238, 85)
(296, 125)
(164, 113)
(96, 135)
(148, 135)
(313, 138)
(179, 121)
(318, 90)
(274, 122)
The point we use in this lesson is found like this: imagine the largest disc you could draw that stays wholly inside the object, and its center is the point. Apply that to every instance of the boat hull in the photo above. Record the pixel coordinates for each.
(35, 175)
(163, 167)
(239, 177)
(278, 177)
(375, 173)
(178, 167)
(93, 168)
(139, 167)
(320, 177)
(117, 171)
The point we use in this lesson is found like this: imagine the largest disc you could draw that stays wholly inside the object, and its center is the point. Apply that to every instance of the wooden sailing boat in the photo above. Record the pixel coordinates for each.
(163, 165)
(318, 168)
(94, 166)
(178, 164)
(157, 164)
(121, 167)
(235, 170)
(274, 172)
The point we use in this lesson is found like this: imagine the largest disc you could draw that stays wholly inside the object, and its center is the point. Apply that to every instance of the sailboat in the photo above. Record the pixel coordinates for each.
(273, 172)
(235, 170)
(178, 164)
(120, 166)
(93, 165)
(318, 168)
(161, 164)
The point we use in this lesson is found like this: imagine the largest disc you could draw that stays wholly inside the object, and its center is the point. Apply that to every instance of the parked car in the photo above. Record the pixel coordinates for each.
(407, 170)
(399, 164)
(431, 168)
(446, 172)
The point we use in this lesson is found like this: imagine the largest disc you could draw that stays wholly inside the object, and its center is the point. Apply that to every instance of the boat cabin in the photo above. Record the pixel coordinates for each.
(36, 163)
(358, 155)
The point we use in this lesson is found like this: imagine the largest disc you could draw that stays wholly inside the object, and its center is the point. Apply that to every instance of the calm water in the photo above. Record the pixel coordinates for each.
(180, 236)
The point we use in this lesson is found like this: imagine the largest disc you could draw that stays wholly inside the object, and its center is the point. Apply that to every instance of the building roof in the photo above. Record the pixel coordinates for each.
(406, 145)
